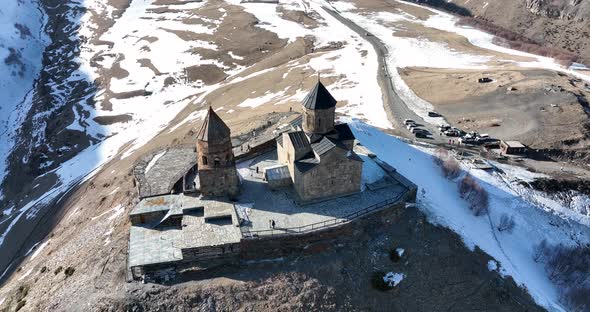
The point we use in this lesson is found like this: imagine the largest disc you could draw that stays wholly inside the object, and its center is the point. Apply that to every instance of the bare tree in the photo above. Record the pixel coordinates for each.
(540, 251)
(450, 167)
(506, 223)
(475, 195)
(568, 267)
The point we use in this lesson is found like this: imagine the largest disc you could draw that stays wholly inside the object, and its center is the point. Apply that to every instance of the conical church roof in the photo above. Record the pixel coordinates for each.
(319, 98)
(213, 128)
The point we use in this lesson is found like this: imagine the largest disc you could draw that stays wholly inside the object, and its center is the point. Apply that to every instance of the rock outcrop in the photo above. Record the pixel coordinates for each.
(572, 10)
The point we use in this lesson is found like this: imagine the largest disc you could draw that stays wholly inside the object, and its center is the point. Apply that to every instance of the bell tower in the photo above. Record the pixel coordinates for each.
(216, 164)
(319, 110)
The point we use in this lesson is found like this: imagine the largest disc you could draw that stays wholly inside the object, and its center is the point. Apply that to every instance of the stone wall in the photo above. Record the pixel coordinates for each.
(217, 168)
(210, 252)
(219, 182)
(335, 175)
(147, 217)
(318, 120)
(268, 247)
(257, 149)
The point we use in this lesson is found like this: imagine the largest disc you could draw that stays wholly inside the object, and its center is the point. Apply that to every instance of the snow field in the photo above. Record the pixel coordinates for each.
(439, 199)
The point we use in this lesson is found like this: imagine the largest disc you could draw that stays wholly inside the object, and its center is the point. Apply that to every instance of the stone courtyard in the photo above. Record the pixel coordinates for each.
(201, 207)
(257, 204)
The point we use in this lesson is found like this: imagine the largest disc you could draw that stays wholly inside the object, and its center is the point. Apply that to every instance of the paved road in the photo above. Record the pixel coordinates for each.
(396, 108)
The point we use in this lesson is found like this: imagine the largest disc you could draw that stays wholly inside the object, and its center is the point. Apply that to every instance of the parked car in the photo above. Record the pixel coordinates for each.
(443, 128)
(420, 134)
(409, 121)
(468, 141)
(451, 133)
(433, 114)
(459, 131)
(416, 130)
(410, 126)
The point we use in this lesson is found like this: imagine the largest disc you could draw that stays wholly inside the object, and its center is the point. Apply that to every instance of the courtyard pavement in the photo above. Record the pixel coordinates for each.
(258, 205)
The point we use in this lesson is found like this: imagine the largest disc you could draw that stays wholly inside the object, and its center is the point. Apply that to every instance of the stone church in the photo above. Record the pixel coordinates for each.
(320, 157)
(217, 174)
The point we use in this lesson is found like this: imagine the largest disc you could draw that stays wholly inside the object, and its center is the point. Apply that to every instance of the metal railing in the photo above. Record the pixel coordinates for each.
(323, 224)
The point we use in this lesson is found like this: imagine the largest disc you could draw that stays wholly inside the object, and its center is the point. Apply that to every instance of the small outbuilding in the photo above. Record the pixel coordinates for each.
(278, 176)
(512, 147)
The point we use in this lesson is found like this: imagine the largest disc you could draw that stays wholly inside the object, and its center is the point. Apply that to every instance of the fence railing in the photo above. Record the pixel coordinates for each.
(323, 224)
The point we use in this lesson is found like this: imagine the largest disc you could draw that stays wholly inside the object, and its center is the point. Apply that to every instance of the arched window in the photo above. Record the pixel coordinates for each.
(204, 160)
(216, 162)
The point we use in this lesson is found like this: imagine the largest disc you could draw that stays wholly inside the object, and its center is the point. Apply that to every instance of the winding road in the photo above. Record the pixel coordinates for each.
(395, 107)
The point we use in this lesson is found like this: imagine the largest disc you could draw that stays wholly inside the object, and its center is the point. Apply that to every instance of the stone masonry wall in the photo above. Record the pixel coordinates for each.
(217, 168)
(335, 175)
(279, 246)
(319, 120)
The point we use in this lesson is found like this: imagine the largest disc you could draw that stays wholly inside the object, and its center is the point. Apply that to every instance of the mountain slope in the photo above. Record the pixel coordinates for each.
(560, 24)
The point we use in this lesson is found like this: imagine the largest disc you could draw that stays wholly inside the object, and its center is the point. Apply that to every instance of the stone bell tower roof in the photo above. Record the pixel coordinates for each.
(319, 98)
(213, 128)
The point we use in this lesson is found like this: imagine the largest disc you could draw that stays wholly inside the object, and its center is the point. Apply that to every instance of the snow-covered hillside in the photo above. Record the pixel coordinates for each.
(439, 198)
(22, 42)
(142, 61)
(119, 85)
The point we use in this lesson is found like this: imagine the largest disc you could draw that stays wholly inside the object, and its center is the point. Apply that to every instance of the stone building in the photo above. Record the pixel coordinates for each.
(320, 157)
(512, 148)
(217, 174)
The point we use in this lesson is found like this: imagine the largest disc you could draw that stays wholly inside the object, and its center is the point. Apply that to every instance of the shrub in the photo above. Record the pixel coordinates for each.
(577, 299)
(69, 271)
(450, 166)
(475, 195)
(506, 223)
(20, 305)
(439, 155)
(58, 270)
(480, 202)
(568, 267)
(540, 251)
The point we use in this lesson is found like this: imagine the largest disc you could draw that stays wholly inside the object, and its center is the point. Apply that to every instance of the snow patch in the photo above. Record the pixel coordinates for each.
(25, 275)
(492, 265)
(39, 249)
(393, 279)
(154, 161)
(117, 211)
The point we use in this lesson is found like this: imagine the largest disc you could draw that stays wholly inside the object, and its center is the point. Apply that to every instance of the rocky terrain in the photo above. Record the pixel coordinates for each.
(561, 24)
